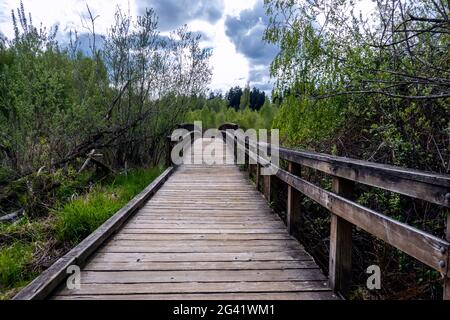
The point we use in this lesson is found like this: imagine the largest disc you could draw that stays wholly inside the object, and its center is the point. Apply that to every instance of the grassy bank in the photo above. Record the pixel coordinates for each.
(30, 245)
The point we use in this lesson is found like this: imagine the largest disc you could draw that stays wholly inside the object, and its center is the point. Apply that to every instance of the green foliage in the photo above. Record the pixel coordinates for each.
(216, 111)
(6, 174)
(43, 105)
(240, 99)
(345, 93)
(307, 123)
(73, 184)
(374, 87)
(245, 99)
(57, 104)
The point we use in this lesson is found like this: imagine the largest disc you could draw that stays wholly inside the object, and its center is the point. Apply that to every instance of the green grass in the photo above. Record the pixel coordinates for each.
(25, 230)
(128, 186)
(13, 262)
(80, 217)
(5, 174)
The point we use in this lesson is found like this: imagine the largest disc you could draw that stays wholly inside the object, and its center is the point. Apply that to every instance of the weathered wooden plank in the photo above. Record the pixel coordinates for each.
(196, 287)
(285, 255)
(205, 236)
(203, 175)
(203, 276)
(206, 200)
(141, 248)
(207, 212)
(231, 204)
(216, 231)
(215, 203)
(201, 219)
(160, 208)
(199, 226)
(200, 242)
(41, 287)
(237, 185)
(305, 295)
(248, 198)
(211, 193)
(205, 218)
(205, 207)
(208, 265)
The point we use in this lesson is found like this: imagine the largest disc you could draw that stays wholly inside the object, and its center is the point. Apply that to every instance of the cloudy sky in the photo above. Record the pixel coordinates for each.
(233, 28)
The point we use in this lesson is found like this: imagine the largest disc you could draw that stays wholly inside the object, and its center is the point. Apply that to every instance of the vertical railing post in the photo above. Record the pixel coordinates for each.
(168, 151)
(257, 176)
(294, 215)
(446, 283)
(235, 147)
(247, 155)
(251, 166)
(267, 180)
(341, 242)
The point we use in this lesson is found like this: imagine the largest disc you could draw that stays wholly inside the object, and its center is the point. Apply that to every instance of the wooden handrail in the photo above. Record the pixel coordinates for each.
(431, 187)
(427, 186)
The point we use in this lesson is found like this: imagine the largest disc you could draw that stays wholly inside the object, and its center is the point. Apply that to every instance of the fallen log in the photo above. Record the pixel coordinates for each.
(12, 216)
(91, 157)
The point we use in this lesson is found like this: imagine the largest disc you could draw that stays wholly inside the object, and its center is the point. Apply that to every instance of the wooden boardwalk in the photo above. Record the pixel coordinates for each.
(201, 230)
(206, 234)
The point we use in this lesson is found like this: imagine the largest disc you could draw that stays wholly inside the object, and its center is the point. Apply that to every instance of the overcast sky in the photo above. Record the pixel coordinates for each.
(233, 28)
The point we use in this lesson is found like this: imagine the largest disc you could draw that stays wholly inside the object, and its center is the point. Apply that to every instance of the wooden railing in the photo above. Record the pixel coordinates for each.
(346, 213)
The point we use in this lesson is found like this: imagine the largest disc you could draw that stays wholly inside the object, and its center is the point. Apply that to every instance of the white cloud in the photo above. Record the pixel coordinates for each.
(230, 68)
(234, 7)
(67, 14)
